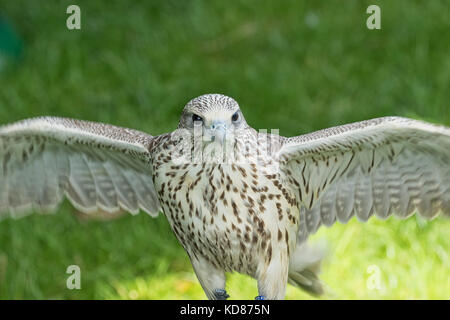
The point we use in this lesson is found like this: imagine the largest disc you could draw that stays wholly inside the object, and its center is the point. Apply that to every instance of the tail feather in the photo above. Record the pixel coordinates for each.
(304, 268)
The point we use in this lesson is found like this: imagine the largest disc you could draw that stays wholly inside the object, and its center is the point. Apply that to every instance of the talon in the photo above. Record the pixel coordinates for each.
(221, 294)
(260, 298)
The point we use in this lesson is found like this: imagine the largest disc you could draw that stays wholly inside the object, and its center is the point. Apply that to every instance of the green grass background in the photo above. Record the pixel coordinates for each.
(294, 65)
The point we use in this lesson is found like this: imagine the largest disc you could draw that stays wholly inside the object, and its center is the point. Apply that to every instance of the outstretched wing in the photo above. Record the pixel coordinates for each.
(380, 166)
(97, 166)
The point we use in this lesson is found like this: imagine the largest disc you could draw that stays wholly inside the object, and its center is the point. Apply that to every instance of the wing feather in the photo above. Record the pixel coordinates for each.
(96, 166)
(377, 167)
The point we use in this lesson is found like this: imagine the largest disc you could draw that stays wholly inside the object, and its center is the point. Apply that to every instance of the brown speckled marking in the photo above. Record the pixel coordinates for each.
(253, 209)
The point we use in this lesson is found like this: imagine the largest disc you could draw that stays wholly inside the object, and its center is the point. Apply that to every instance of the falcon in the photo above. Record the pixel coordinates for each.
(238, 200)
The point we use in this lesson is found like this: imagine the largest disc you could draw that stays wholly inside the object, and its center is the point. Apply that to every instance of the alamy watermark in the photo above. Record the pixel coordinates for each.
(232, 146)
(74, 280)
(373, 281)
(73, 21)
(374, 20)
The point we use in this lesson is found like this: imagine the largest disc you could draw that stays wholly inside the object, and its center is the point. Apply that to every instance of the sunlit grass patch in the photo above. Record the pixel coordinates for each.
(410, 256)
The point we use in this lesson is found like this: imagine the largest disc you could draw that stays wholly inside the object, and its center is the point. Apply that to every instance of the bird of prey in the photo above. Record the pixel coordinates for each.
(236, 199)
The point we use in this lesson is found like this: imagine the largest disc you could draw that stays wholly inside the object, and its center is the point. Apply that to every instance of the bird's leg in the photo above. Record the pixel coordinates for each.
(221, 294)
(272, 278)
(211, 279)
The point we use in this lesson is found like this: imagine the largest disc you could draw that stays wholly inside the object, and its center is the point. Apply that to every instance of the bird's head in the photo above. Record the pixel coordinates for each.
(217, 115)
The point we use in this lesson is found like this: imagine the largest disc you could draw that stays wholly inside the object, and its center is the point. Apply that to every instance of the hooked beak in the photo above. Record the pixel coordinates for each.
(217, 131)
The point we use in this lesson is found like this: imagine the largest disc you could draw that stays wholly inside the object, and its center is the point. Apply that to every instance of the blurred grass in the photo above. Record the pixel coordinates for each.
(294, 65)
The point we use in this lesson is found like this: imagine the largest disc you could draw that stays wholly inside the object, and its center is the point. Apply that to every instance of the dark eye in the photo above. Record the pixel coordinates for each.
(196, 118)
(235, 117)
